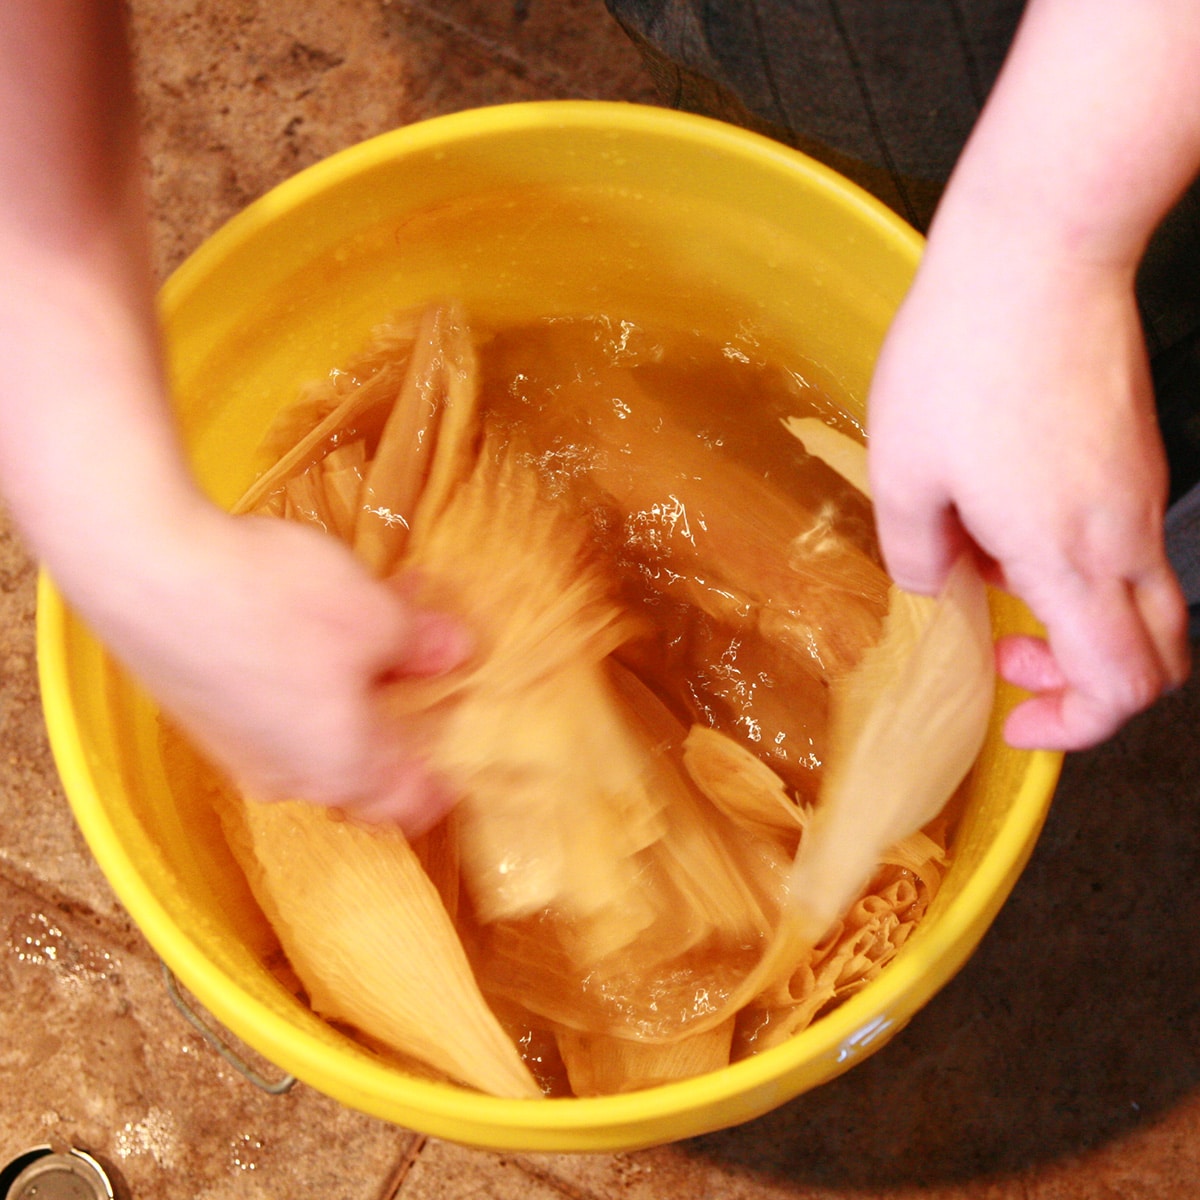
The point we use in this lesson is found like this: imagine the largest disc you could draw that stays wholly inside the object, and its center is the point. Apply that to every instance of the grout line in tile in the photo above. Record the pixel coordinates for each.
(395, 1181)
(568, 1190)
(119, 929)
(541, 75)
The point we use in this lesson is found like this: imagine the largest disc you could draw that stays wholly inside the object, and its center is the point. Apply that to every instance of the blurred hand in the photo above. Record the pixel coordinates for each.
(274, 647)
(1011, 411)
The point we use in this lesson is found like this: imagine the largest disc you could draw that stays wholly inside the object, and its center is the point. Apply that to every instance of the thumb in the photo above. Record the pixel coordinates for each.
(424, 641)
(430, 643)
(920, 536)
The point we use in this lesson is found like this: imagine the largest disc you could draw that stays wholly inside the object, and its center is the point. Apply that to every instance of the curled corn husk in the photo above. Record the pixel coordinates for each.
(852, 953)
(742, 786)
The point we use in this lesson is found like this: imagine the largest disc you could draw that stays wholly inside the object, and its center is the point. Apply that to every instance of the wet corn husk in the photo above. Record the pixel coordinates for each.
(759, 595)
(600, 1066)
(554, 782)
(906, 724)
(685, 829)
(367, 934)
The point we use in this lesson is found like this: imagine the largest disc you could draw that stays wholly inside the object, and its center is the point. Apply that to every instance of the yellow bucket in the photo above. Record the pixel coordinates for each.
(522, 210)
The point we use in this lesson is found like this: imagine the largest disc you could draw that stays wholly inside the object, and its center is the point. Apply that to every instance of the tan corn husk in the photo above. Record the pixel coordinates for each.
(370, 939)
(606, 1066)
(397, 473)
(336, 404)
(742, 786)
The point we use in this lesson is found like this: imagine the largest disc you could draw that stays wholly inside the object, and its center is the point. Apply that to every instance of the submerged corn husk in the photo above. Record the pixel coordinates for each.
(627, 871)
(604, 1066)
(907, 723)
(759, 597)
(836, 449)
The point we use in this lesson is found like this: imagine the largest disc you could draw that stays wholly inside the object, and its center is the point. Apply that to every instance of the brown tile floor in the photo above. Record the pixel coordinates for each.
(1063, 1062)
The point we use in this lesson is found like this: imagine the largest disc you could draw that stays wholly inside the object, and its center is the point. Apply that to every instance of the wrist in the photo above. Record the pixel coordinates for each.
(1006, 264)
(1035, 229)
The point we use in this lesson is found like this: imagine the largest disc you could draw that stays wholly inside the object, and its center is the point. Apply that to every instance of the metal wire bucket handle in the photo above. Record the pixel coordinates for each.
(222, 1047)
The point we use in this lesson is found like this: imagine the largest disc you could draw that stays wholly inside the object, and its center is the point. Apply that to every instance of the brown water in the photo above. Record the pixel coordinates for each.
(754, 576)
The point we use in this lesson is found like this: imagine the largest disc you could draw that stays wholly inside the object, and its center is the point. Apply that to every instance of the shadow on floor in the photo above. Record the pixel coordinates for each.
(1076, 1020)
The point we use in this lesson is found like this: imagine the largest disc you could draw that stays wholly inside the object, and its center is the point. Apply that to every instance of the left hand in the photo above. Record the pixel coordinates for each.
(1011, 411)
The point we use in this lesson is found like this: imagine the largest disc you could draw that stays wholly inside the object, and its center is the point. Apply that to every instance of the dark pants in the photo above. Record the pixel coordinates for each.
(886, 92)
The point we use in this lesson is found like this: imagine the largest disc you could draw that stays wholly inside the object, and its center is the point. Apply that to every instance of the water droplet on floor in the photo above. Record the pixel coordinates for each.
(38, 941)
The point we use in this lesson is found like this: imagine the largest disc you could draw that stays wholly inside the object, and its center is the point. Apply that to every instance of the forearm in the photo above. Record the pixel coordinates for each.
(89, 458)
(1091, 133)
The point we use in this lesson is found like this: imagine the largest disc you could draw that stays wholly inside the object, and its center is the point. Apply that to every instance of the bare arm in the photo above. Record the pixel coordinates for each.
(268, 641)
(1011, 407)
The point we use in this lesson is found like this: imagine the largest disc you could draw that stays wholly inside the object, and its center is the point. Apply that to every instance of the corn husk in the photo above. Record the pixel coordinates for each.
(906, 725)
(758, 596)
(397, 473)
(853, 952)
(836, 449)
(368, 936)
(733, 545)
(741, 785)
(554, 782)
(605, 1066)
(342, 472)
(304, 433)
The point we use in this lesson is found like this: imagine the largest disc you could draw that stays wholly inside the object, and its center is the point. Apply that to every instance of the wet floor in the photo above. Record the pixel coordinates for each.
(1064, 1061)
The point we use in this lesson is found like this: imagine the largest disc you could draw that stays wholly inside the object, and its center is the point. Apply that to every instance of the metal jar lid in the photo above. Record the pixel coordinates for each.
(48, 1174)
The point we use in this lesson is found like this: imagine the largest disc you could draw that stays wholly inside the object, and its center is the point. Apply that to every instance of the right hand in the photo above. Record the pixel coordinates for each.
(274, 647)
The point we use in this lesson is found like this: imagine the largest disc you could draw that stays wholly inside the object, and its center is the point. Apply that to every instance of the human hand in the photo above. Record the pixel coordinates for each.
(273, 647)
(1011, 411)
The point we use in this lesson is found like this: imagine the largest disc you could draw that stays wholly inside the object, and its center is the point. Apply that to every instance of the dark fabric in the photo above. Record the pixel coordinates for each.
(886, 92)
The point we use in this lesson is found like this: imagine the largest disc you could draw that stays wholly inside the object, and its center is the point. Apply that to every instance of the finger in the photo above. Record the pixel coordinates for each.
(1062, 720)
(1027, 662)
(1164, 613)
(432, 644)
(919, 542)
(1108, 663)
(413, 799)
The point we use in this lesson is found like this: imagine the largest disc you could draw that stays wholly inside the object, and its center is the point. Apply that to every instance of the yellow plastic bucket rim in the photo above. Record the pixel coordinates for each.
(929, 961)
